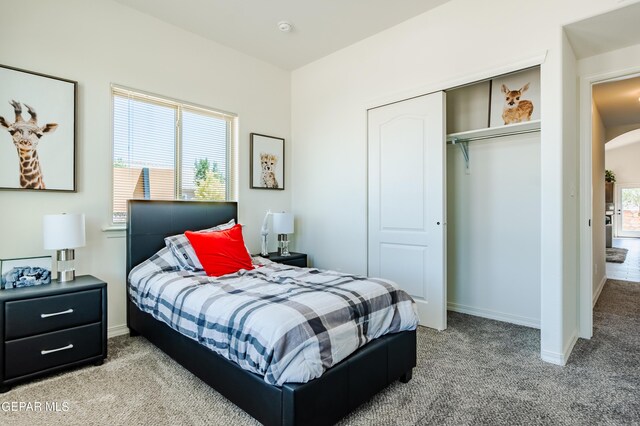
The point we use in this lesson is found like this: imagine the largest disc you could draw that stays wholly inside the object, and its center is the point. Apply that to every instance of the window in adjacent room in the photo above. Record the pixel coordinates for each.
(169, 150)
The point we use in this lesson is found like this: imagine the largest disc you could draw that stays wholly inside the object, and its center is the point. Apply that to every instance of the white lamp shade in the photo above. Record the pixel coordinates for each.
(283, 223)
(63, 231)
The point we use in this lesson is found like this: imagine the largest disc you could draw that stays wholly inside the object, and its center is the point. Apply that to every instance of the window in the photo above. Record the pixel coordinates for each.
(166, 150)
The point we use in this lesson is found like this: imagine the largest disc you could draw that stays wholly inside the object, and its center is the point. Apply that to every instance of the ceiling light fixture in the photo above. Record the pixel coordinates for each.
(285, 26)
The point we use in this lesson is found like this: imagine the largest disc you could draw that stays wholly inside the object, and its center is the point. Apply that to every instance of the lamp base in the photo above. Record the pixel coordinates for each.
(65, 266)
(68, 275)
(283, 245)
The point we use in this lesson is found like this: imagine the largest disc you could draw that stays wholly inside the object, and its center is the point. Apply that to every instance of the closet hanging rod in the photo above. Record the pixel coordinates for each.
(455, 140)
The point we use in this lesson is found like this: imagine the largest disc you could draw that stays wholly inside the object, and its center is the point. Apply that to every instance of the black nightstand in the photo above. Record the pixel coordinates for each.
(295, 259)
(51, 327)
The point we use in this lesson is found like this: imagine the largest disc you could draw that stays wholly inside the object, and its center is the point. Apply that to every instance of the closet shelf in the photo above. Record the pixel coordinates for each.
(491, 132)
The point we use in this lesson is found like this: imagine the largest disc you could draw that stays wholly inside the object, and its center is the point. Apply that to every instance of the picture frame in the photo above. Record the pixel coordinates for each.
(25, 272)
(37, 112)
(267, 162)
(521, 100)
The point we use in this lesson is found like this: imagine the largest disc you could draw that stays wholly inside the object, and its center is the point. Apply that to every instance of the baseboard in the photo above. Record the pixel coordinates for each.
(117, 330)
(498, 316)
(560, 358)
(596, 295)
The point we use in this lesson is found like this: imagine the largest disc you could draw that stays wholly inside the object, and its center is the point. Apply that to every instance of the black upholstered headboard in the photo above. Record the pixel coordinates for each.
(150, 221)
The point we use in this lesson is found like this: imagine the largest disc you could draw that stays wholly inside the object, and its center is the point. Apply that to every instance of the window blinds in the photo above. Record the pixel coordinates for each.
(163, 149)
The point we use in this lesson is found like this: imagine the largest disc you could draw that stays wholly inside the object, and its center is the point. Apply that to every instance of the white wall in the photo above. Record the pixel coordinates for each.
(462, 39)
(493, 229)
(611, 64)
(571, 208)
(101, 42)
(597, 184)
(625, 163)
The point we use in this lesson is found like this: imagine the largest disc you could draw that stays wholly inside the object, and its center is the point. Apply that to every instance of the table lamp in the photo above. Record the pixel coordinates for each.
(63, 233)
(283, 226)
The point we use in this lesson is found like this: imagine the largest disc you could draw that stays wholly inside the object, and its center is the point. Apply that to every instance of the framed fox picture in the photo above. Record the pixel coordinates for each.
(267, 162)
(37, 131)
(515, 98)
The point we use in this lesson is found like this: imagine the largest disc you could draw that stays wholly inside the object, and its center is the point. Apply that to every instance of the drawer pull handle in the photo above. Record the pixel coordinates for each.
(50, 351)
(68, 311)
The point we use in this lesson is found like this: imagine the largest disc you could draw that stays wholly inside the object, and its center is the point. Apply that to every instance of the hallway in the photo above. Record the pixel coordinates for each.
(630, 269)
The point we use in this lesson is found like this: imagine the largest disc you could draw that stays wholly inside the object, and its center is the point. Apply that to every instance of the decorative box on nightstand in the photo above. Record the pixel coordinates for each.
(294, 259)
(51, 327)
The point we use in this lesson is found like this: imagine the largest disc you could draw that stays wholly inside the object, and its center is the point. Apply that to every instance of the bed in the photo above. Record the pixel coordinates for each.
(323, 400)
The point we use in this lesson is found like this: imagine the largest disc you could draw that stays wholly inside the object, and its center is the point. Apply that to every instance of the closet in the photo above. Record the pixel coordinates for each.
(454, 199)
(493, 202)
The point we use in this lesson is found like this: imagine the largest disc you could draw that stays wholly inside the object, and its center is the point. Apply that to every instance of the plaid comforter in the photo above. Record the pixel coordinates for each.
(285, 323)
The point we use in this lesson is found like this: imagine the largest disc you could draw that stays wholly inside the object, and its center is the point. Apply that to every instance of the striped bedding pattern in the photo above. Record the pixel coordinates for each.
(284, 323)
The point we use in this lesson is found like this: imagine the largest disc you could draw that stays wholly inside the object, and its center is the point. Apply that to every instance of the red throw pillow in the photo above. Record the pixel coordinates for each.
(220, 252)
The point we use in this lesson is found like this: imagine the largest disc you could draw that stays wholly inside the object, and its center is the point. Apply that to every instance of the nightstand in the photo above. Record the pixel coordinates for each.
(295, 259)
(52, 327)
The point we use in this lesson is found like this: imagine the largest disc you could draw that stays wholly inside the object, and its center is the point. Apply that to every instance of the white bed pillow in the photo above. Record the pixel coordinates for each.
(183, 251)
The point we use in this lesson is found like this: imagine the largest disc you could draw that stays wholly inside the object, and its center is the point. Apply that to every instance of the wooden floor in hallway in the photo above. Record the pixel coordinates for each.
(630, 269)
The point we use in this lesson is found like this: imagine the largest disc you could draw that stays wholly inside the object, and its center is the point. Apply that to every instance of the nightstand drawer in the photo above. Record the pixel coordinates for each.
(42, 314)
(299, 261)
(33, 354)
(294, 259)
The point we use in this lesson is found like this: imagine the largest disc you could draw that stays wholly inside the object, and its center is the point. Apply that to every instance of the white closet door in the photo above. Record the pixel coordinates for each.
(407, 201)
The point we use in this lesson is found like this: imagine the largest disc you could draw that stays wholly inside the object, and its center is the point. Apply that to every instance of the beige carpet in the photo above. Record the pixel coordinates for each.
(476, 372)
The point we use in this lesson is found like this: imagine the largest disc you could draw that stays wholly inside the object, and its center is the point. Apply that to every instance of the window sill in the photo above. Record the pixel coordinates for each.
(114, 231)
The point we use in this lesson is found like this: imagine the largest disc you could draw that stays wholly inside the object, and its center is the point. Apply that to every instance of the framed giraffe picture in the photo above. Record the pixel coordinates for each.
(37, 131)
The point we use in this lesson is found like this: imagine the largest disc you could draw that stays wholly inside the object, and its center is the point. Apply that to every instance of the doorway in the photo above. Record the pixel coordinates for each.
(599, 49)
(627, 216)
(612, 168)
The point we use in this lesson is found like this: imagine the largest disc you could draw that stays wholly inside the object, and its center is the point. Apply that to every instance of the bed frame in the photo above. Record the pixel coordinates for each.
(322, 401)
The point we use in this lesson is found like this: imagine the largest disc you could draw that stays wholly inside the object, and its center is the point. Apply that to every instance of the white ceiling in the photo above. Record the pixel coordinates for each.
(618, 101)
(321, 27)
(602, 33)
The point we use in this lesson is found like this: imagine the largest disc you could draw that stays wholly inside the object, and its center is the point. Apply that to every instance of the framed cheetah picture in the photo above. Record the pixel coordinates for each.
(37, 131)
(267, 162)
